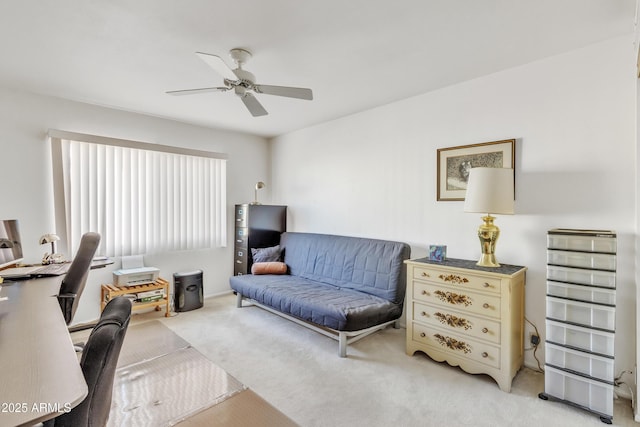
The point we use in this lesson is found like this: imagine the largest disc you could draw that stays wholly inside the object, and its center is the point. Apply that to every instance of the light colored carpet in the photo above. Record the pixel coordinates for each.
(299, 372)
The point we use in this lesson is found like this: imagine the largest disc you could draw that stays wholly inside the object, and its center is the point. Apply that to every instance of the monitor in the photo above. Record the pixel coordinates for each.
(10, 243)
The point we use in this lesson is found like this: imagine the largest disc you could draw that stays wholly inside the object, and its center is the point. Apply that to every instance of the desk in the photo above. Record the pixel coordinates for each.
(40, 371)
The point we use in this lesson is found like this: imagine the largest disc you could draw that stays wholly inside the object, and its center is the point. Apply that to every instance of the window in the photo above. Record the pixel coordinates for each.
(140, 197)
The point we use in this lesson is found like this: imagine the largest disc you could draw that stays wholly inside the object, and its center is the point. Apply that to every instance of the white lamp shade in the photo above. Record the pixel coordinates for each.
(49, 238)
(489, 190)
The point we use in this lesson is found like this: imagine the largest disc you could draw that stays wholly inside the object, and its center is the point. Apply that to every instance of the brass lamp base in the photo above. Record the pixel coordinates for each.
(488, 234)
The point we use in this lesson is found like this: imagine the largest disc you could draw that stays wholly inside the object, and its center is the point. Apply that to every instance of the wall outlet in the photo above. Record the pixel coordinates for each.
(534, 339)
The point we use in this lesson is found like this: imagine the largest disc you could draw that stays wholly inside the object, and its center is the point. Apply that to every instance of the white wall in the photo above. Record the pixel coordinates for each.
(26, 193)
(374, 173)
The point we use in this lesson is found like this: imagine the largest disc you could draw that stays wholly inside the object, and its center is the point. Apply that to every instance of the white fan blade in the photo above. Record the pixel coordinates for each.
(219, 66)
(196, 91)
(290, 92)
(255, 108)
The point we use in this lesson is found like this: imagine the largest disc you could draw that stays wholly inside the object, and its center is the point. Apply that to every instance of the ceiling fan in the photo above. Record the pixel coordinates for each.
(243, 82)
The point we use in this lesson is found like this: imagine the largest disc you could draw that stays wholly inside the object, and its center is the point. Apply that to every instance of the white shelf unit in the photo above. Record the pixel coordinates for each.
(580, 319)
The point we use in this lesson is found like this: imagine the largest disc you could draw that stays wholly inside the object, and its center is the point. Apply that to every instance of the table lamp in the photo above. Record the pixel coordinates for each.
(259, 185)
(490, 191)
(49, 238)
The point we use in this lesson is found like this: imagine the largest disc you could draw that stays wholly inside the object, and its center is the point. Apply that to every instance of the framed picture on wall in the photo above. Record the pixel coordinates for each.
(454, 164)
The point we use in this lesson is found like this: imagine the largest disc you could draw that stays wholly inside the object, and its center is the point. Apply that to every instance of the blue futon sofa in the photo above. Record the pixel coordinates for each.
(343, 287)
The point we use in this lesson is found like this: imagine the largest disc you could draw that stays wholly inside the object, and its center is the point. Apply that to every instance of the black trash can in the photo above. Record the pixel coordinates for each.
(187, 291)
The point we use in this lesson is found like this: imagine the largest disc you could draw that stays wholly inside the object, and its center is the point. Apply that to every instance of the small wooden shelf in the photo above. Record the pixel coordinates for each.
(108, 292)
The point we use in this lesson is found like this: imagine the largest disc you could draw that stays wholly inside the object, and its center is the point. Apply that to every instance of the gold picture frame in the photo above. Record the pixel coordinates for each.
(454, 164)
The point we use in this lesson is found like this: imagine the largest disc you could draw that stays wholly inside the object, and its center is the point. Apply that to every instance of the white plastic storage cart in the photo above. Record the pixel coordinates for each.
(580, 325)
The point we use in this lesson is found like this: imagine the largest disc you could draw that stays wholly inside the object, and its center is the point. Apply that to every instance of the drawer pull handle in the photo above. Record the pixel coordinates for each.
(486, 305)
(453, 278)
(422, 334)
(425, 274)
(425, 293)
(486, 285)
(485, 330)
(424, 314)
(453, 298)
(485, 354)
(452, 343)
(453, 321)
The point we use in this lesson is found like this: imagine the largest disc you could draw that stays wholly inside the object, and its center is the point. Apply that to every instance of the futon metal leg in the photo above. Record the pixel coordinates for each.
(239, 300)
(342, 346)
(396, 324)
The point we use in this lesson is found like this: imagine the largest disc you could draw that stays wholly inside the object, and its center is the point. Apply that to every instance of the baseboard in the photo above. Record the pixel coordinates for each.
(218, 294)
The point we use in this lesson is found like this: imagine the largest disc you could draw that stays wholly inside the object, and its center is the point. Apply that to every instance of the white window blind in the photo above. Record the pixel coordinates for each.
(141, 198)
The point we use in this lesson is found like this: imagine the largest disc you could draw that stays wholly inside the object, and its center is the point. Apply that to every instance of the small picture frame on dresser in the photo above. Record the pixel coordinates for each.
(437, 253)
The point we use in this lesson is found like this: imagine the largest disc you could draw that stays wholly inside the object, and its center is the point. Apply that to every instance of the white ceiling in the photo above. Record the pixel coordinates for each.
(354, 54)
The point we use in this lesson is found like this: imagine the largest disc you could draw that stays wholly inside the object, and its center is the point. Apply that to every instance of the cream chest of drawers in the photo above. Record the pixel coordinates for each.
(468, 316)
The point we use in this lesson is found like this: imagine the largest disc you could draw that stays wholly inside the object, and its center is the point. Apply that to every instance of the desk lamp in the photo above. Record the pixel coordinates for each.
(49, 238)
(259, 185)
(490, 191)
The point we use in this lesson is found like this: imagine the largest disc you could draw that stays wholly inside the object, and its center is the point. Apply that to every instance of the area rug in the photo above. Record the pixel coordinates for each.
(161, 380)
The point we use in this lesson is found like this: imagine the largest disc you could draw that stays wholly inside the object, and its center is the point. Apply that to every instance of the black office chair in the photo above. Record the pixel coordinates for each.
(76, 277)
(98, 363)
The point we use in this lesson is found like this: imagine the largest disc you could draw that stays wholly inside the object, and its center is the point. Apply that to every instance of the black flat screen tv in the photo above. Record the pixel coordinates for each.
(10, 243)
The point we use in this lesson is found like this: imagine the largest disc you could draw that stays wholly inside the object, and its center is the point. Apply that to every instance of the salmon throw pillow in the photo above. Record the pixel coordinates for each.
(273, 267)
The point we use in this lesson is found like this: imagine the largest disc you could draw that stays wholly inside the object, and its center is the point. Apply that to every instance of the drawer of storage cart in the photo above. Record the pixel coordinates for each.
(580, 337)
(458, 345)
(457, 322)
(582, 276)
(469, 281)
(581, 243)
(582, 259)
(582, 313)
(582, 362)
(460, 299)
(594, 395)
(582, 292)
